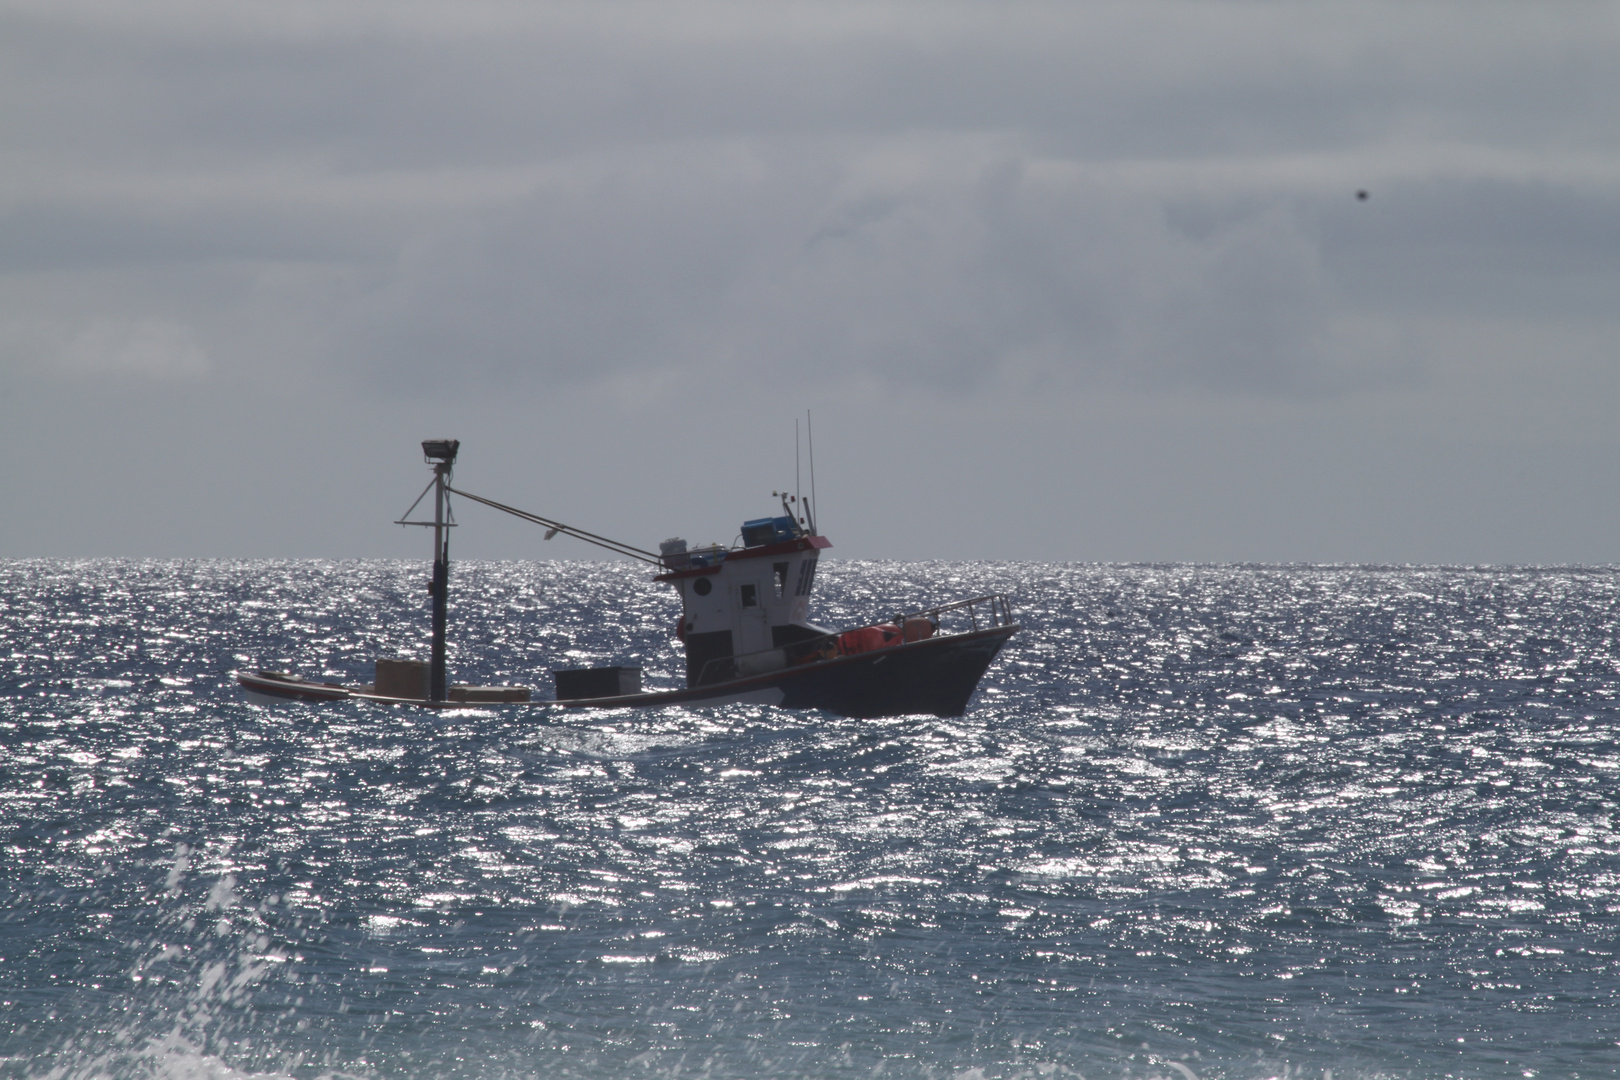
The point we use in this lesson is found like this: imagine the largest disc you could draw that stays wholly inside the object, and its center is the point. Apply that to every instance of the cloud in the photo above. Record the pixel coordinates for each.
(672, 219)
(148, 348)
(920, 198)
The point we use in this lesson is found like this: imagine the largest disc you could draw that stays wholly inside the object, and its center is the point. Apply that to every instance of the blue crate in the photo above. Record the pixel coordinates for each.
(767, 531)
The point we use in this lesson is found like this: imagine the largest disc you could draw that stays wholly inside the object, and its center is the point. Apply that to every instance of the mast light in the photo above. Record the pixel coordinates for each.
(440, 450)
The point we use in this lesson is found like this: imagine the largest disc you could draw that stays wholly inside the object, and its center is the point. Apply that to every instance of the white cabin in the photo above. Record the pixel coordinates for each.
(743, 609)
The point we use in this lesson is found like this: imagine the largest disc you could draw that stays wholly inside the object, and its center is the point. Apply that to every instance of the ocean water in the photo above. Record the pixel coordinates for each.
(1200, 822)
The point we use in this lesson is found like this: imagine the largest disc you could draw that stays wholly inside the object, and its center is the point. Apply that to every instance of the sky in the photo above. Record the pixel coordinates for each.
(1073, 281)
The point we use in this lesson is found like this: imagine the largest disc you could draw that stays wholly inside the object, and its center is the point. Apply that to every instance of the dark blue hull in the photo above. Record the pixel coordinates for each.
(935, 677)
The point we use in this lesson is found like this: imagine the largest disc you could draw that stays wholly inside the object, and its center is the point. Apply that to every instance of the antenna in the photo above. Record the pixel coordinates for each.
(810, 434)
(798, 487)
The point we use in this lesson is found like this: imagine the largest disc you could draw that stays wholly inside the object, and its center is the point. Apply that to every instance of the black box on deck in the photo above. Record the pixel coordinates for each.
(401, 679)
(576, 683)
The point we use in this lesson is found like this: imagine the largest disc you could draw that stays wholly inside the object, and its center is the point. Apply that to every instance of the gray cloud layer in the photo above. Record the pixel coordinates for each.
(1122, 233)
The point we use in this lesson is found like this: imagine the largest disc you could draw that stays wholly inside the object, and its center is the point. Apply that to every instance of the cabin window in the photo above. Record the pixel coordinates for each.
(750, 596)
(807, 576)
(702, 586)
(781, 569)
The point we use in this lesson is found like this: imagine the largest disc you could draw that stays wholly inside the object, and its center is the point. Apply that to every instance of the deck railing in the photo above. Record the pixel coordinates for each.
(979, 613)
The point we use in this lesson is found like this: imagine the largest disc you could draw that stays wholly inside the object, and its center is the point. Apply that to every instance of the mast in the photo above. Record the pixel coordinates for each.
(442, 453)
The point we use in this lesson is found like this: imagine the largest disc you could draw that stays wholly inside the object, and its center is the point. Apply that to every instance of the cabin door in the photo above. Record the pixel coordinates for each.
(753, 598)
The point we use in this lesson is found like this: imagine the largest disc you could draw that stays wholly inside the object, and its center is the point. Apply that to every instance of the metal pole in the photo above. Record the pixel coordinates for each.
(440, 588)
(815, 503)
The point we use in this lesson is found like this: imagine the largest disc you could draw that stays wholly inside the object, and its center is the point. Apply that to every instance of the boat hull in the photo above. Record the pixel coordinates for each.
(936, 676)
(278, 688)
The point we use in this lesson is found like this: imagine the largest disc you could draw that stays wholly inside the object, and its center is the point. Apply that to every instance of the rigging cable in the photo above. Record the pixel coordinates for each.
(555, 527)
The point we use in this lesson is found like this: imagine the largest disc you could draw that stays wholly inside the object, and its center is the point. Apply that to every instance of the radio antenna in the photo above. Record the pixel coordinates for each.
(810, 434)
(798, 486)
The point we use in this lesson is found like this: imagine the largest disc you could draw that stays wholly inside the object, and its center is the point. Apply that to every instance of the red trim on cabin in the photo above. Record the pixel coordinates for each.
(802, 543)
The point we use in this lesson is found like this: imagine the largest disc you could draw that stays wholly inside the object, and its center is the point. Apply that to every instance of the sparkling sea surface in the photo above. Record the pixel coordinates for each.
(1199, 822)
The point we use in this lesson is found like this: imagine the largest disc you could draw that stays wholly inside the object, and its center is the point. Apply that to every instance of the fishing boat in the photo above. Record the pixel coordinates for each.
(744, 625)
